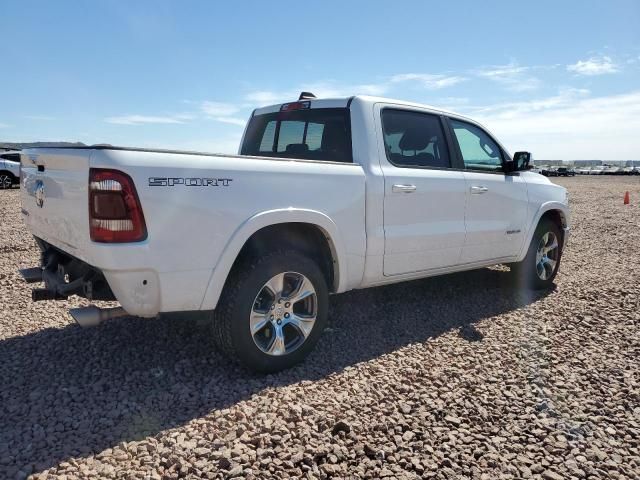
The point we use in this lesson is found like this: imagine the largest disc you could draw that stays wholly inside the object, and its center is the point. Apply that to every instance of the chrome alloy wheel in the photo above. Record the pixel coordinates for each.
(283, 313)
(547, 255)
(5, 181)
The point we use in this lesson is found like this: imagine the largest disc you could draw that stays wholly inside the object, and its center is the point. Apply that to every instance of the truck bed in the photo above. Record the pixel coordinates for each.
(198, 208)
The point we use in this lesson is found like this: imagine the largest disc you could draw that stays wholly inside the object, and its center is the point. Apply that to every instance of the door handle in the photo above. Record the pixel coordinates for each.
(479, 189)
(403, 188)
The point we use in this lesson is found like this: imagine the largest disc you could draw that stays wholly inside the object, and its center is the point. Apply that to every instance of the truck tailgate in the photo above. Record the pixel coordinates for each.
(55, 196)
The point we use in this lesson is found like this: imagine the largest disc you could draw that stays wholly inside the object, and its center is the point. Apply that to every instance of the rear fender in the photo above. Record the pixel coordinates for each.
(269, 218)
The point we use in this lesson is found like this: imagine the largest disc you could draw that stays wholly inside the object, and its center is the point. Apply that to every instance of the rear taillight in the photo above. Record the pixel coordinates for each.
(115, 214)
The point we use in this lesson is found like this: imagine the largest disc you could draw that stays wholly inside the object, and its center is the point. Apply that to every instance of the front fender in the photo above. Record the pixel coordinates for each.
(266, 219)
(544, 208)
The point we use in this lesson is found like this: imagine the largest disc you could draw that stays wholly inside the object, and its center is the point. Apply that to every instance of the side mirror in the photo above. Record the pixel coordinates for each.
(521, 161)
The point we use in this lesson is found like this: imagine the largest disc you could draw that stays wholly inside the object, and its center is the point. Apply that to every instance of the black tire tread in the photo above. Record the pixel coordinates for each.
(522, 270)
(223, 314)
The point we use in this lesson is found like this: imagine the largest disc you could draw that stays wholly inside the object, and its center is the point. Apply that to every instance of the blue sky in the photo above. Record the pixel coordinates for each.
(561, 79)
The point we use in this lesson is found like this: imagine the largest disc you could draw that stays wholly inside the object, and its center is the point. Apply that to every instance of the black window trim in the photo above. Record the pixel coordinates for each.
(445, 131)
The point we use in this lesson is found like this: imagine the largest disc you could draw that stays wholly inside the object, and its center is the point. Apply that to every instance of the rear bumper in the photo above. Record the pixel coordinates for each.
(140, 292)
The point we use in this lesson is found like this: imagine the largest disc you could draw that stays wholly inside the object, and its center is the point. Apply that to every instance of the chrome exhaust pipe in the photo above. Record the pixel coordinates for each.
(93, 316)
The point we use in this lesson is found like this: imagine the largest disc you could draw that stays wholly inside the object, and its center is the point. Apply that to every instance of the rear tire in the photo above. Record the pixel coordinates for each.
(272, 311)
(7, 180)
(540, 266)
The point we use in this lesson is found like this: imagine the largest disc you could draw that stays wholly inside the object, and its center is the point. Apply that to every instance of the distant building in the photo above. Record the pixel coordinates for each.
(588, 163)
(547, 162)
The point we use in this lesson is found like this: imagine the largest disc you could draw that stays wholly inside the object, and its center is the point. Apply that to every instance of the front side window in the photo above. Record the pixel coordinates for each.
(312, 134)
(478, 149)
(414, 139)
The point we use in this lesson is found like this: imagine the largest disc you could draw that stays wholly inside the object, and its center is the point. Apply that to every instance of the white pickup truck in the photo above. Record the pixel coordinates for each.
(325, 196)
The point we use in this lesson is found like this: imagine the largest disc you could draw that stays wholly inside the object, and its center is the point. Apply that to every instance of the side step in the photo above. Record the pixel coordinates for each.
(31, 275)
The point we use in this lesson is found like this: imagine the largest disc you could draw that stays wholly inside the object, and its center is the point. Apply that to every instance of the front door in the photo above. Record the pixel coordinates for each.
(424, 198)
(497, 203)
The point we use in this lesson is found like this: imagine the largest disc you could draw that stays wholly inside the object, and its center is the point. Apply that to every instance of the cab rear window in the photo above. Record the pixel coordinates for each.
(310, 134)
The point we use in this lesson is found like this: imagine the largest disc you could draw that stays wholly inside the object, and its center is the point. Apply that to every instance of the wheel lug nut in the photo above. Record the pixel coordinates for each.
(271, 317)
(273, 306)
(287, 305)
(286, 315)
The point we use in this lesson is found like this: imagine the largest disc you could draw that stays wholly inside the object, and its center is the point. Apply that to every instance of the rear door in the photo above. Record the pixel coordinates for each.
(424, 198)
(497, 203)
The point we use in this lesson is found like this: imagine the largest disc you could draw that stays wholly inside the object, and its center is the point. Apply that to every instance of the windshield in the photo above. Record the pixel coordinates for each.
(311, 134)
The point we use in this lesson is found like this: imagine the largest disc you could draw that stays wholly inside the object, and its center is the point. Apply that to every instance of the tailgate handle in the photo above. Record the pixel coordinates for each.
(478, 190)
(398, 188)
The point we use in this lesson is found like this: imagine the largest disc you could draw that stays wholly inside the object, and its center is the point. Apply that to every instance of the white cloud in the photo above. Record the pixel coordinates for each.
(45, 118)
(319, 89)
(513, 76)
(594, 66)
(502, 71)
(144, 119)
(331, 89)
(451, 104)
(565, 97)
(222, 112)
(569, 126)
(216, 109)
(265, 97)
(231, 120)
(429, 81)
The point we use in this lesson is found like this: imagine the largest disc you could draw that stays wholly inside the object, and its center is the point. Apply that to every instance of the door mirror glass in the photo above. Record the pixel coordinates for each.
(522, 161)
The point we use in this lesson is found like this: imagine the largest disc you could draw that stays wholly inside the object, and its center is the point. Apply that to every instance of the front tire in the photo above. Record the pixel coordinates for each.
(272, 311)
(540, 266)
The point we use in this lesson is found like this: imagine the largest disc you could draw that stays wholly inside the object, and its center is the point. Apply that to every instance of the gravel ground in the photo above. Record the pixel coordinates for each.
(453, 377)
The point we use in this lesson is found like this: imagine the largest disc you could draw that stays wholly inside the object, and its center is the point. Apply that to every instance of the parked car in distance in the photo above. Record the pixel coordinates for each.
(597, 170)
(326, 196)
(9, 169)
(549, 171)
(565, 172)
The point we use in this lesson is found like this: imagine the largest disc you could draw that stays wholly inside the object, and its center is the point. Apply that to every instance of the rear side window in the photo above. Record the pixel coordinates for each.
(311, 134)
(414, 139)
